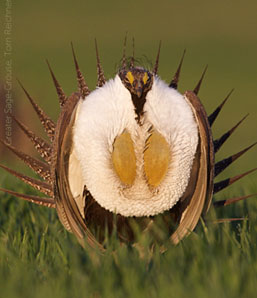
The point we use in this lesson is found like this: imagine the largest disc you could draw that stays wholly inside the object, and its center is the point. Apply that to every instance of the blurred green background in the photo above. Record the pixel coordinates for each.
(222, 34)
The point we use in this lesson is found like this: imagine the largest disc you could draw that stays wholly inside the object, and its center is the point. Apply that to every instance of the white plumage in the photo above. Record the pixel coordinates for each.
(103, 116)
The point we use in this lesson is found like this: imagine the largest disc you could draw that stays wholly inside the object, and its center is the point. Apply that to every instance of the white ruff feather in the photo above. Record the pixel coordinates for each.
(103, 116)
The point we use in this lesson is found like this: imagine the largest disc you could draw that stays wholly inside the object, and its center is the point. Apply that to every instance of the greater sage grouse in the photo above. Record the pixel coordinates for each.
(132, 150)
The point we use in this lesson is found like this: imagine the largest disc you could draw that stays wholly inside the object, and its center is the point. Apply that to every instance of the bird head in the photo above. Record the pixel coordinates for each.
(137, 80)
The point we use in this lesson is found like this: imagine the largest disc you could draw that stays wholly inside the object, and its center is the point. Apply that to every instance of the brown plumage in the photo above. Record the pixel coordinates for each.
(216, 112)
(199, 84)
(132, 61)
(91, 223)
(223, 164)
(100, 73)
(218, 186)
(175, 80)
(39, 185)
(219, 142)
(124, 62)
(83, 87)
(155, 69)
(43, 148)
(47, 123)
(42, 201)
(61, 95)
(39, 167)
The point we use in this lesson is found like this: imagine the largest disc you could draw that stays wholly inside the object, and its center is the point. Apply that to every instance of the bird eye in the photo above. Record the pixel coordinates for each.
(126, 80)
(129, 77)
(145, 78)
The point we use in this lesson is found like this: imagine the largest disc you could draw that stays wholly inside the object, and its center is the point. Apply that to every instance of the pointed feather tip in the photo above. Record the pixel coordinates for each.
(43, 148)
(235, 127)
(75, 59)
(42, 201)
(225, 220)
(35, 106)
(39, 167)
(175, 80)
(27, 94)
(198, 86)
(219, 142)
(48, 124)
(223, 164)
(218, 186)
(61, 95)
(74, 55)
(36, 184)
(212, 117)
(156, 66)
(132, 60)
(230, 201)
(124, 64)
(100, 74)
(82, 85)
(21, 85)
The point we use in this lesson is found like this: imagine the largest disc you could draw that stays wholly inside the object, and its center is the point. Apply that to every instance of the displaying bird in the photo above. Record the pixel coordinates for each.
(132, 150)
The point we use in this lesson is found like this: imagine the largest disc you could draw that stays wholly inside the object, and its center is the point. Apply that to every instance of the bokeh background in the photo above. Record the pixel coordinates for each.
(222, 34)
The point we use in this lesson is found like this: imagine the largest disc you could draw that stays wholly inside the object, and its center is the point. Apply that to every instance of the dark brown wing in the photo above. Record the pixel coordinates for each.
(197, 198)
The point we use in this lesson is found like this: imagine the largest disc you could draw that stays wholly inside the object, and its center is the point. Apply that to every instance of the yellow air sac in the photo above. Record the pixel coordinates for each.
(124, 158)
(156, 159)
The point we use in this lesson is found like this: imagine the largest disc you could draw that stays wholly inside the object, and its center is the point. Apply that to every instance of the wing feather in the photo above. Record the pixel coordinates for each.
(66, 206)
(198, 195)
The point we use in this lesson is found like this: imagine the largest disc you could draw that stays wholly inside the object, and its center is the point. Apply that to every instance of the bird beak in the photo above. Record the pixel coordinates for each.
(139, 91)
(139, 88)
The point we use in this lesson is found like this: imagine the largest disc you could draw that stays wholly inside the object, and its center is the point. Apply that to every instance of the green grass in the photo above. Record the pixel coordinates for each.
(38, 258)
